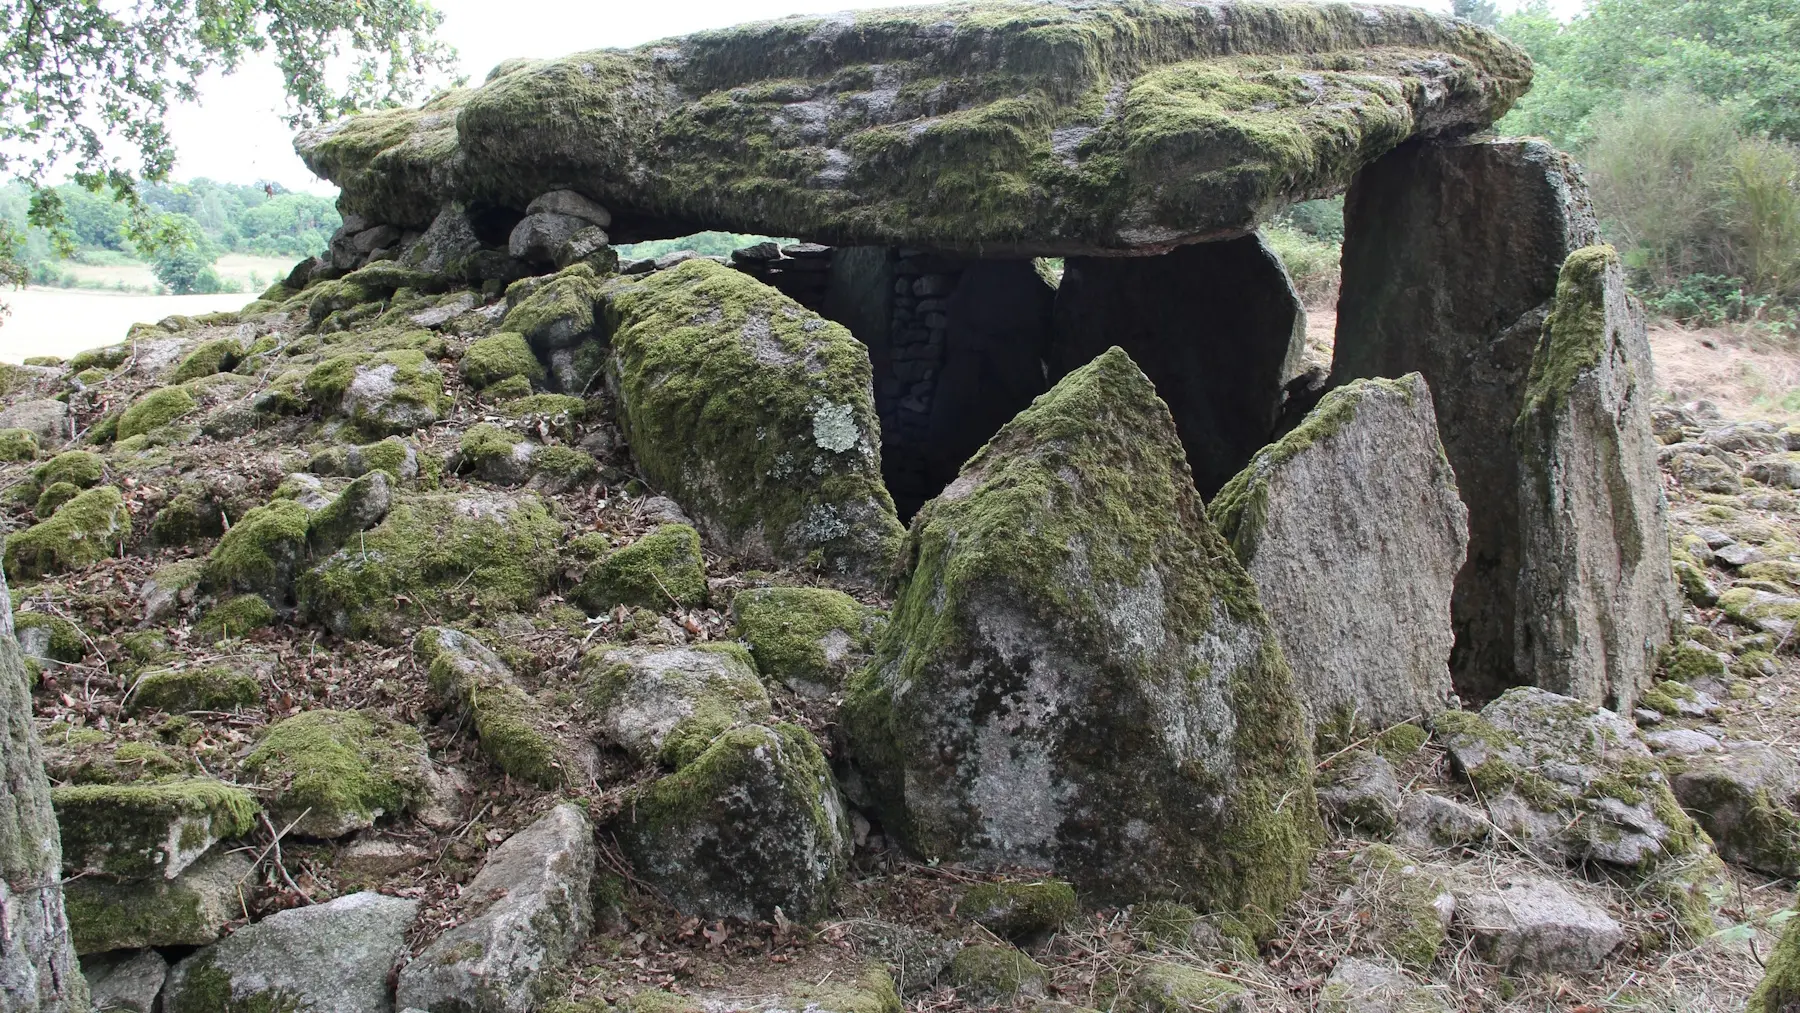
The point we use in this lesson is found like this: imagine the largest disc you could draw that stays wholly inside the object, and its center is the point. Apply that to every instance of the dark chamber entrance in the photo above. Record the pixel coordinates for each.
(961, 345)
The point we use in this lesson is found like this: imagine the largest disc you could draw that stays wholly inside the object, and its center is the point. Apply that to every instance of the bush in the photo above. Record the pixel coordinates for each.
(1312, 263)
(182, 269)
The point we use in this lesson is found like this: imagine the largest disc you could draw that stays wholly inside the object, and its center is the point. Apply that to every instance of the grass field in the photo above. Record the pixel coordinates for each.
(252, 274)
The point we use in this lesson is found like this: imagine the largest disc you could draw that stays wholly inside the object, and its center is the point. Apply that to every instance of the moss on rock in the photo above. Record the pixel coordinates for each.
(514, 730)
(667, 705)
(810, 638)
(986, 974)
(188, 516)
(83, 531)
(216, 356)
(380, 393)
(262, 551)
(80, 468)
(339, 771)
(1176, 988)
(755, 415)
(1779, 990)
(191, 910)
(1400, 903)
(18, 445)
(1019, 911)
(138, 831)
(492, 359)
(662, 569)
(53, 497)
(208, 688)
(235, 617)
(154, 410)
(61, 639)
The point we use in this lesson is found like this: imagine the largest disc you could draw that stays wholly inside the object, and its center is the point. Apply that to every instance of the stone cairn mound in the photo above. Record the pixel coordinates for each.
(983, 597)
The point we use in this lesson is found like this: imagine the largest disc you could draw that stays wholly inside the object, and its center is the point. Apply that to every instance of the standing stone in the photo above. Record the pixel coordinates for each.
(532, 906)
(329, 958)
(1352, 529)
(38, 970)
(1596, 589)
(1451, 255)
(1217, 327)
(1078, 676)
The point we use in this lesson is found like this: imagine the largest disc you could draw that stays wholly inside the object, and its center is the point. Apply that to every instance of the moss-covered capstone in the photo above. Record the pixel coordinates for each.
(1072, 129)
(514, 730)
(666, 705)
(154, 410)
(753, 823)
(83, 531)
(661, 570)
(810, 638)
(755, 414)
(1078, 675)
(140, 831)
(451, 554)
(1596, 589)
(336, 772)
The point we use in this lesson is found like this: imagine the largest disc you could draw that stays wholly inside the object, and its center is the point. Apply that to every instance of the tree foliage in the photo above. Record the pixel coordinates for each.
(84, 86)
(1743, 54)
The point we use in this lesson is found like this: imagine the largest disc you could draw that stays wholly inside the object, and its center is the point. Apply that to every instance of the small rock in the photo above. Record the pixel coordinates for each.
(1738, 554)
(985, 973)
(1019, 911)
(1175, 988)
(1714, 538)
(914, 956)
(1528, 924)
(47, 420)
(1359, 793)
(1703, 472)
(125, 981)
(1745, 796)
(329, 958)
(1428, 821)
(573, 204)
(190, 910)
(144, 831)
(1680, 741)
(535, 902)
(1364, 986)
(538, 237)
(1645, 716)
(373, 858)
(667, 705)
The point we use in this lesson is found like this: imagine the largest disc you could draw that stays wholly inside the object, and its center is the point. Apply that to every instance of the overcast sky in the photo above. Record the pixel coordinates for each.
(235, 132)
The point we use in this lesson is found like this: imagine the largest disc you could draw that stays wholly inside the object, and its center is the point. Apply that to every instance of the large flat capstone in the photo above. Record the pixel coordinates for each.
(1008, 128)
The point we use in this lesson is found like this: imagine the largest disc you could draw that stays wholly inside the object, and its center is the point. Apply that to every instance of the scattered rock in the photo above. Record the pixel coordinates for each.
(1427, 821)
(333, 957)
(1535, 925)
(1358, 792)
(541, 235)
(145, 831)
(1352, 529)
(47, 421)
(1019, 911)
(1680, 742)
(1363, 986)
(1404, 905)
(126, 981)
(515, 731)
(336, 772)
(914, 956)
(1745, 796)
(190, 910)
(985, 974)
(1174, 988)
(529, 909)
(808, 638)
(661, 569)
(667, 705)
(83, 531)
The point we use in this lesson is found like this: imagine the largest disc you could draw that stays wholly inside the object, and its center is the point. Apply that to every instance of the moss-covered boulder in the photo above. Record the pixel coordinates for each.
(663, 569)
(1077, 129)
(53, 497)
(207, 358)
(83, 531)
(666, 705)
(49, 637)
(169, 588)
(1403, 906)
(445, 555)
(337, 772)
(1078, 675)
(988, 975)
(810, 638)
(218, 687)
(188, 515)
(1596, 591)
(514, 730)
(495, 454)
(1177, 988)
(263, 551)
(382, 393)
(79, 468)
(756, 415)
(141, 831)
(18, 445)
(489, 360)
(235, 617)
(1747, 798)
(1779, 990)
(360, 506)
(1019, 911)
(154, 410)
(87, 756)
(1570, 781)
(753, 823)
(192, 909)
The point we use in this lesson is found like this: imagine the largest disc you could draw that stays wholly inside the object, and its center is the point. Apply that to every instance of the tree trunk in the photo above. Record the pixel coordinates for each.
(38, 970)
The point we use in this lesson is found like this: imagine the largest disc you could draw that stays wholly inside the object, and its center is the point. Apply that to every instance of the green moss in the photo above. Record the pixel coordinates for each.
(1240, 509)
(556, 312)
(985, 972)
(513, 729)
(18, 445)
(440, 554)
(1687, 661)
(1020, 910)
(362, 503)
(210, 688)
(486, 446)
(1575, 333)
(66, 643)
(873, 992)
(53, 497)
(219, 355)
(1779, 989)
(492, 359)
(662, 569)
(714, 698)
(84, 531)
(655, 1000)
(188, 516)
(804, 636)
(261, 551)
(126, 830)
(80, 468)
(1176, 988)
(236, 617)
(1398, 897)
(341, 769)
(755, 414)
(74, 759)
(389, 455)
(510, 388)
(1401, 742)
(565, 467)
(154, 410)
(405, 391)
(108, 357)
(548, 406)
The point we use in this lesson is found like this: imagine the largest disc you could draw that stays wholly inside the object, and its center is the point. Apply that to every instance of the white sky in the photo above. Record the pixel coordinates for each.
(235, 133)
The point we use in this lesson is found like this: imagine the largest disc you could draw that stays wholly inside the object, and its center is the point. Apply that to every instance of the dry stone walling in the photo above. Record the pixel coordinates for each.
(1088, 672)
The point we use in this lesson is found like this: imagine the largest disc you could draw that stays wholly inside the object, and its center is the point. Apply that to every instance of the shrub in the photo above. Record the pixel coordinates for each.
(1311, 262)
